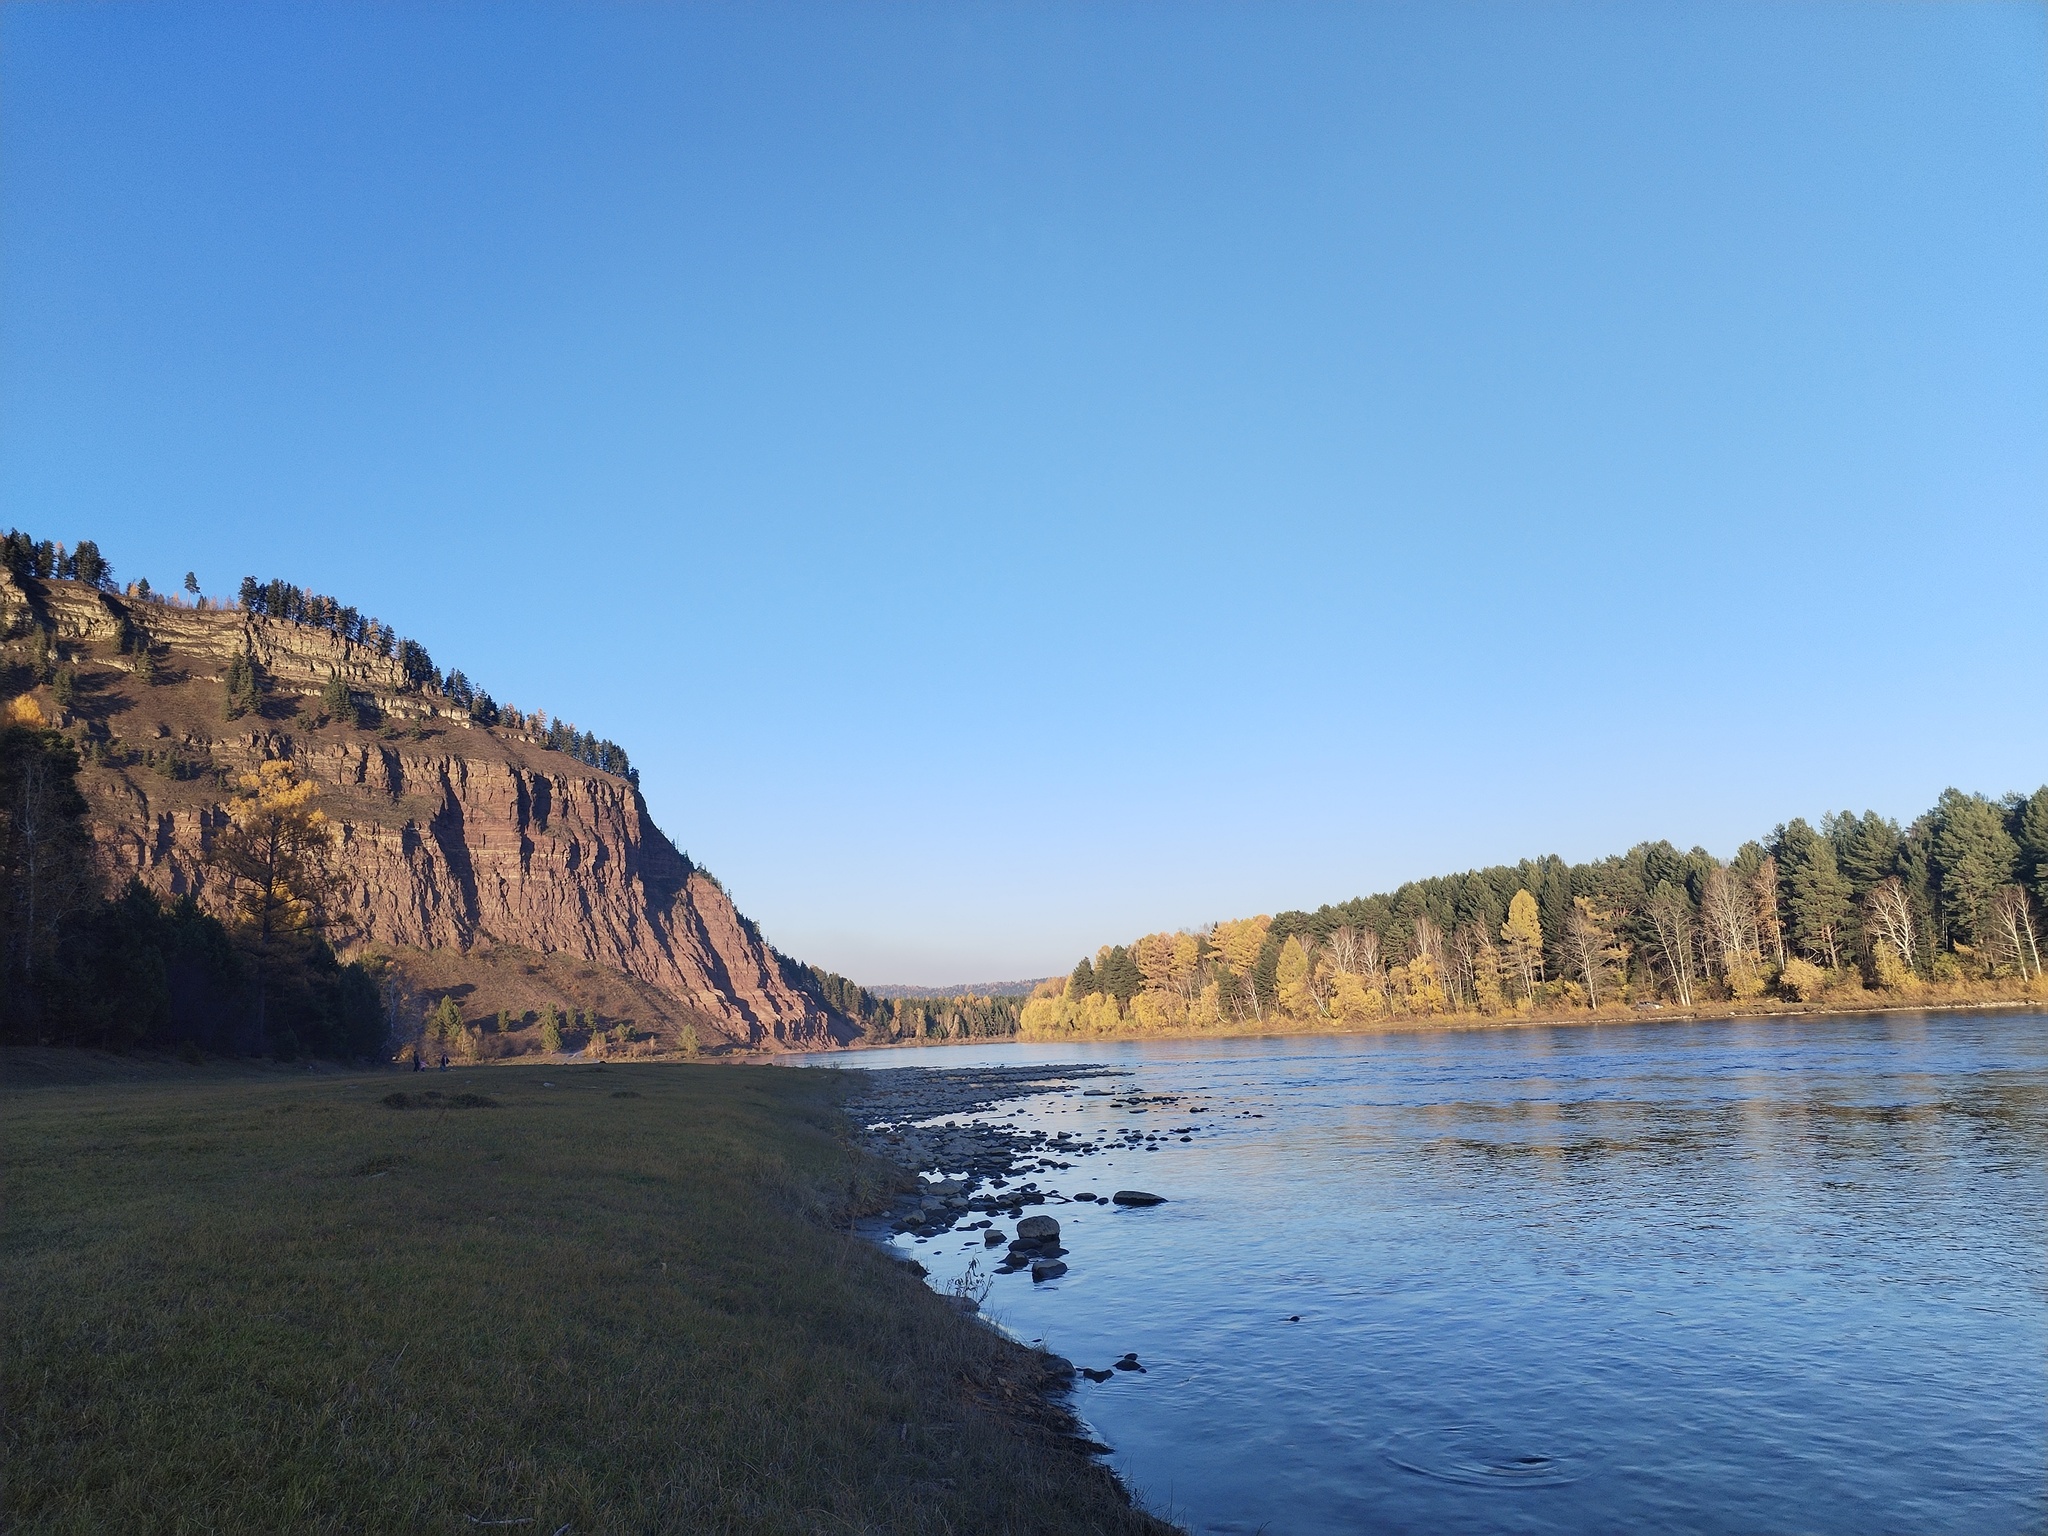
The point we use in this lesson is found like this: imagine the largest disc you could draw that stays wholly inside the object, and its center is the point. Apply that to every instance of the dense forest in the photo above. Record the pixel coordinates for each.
(898, 1020)
(1857, 909)
(84, 965)
(44, 560)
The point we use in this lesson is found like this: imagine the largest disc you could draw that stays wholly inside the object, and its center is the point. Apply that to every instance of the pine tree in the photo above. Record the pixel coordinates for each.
(445, 1022)
(2032, 836)
(550, 1029)
(1866, 849)
(191, 583)
(1082, 982)
(1973, 856)
(244, 682)
(338, 702)
(89, 566)
(415, 663)
(1120, 976)
(1817, 898)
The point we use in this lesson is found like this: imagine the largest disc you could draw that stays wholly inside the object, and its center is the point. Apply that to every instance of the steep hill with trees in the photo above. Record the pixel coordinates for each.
(481, 852)
(1855, 912)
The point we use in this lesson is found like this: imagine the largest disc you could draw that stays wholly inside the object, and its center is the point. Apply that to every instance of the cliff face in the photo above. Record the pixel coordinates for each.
(453, 836)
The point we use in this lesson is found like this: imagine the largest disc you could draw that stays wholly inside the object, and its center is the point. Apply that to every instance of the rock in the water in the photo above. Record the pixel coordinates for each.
(1038, 1229)
(1137, 1197)
(1048, 1269)
(1094, 1375)
(990, 1238)
(1058, 1367)
(1130, 1363)
(1085, 1195)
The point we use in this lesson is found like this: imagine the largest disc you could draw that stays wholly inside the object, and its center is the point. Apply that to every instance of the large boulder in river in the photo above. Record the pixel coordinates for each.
(1137, 1197)
(1038, 1229)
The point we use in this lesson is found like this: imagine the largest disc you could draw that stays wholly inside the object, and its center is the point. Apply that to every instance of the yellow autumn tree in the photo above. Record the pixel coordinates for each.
(1171, 966)
(1236, 946)
(1424, 985)
(1153, 1011)
(1154, 954)
(1100, 1015)
(1291, 977)
(276, 856)
(1352, 1000)
(1049, 1013)
(1486, 976)
(1522, 939)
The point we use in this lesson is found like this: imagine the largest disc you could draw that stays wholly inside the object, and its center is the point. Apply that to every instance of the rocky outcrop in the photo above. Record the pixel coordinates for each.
(452, 835)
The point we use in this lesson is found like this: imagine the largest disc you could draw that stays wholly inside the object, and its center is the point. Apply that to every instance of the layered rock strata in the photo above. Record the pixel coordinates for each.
(452, 835)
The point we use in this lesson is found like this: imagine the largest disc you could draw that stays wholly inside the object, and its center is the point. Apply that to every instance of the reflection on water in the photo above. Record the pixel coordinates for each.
(1750, 1276)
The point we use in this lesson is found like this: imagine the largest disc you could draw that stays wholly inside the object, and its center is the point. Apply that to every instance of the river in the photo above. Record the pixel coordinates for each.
(1742, 1276)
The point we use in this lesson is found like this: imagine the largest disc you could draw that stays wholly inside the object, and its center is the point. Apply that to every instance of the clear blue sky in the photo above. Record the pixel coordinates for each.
(1021, 476)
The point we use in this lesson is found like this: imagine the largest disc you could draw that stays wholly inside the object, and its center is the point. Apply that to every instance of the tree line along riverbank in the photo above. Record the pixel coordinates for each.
(1859, 912)
(586, 1298)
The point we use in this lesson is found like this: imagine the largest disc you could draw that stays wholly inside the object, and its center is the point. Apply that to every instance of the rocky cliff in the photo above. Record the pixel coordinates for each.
(454, 837)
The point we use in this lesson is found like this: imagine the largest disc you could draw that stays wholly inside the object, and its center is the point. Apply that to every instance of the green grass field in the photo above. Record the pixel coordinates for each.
(244, 1299)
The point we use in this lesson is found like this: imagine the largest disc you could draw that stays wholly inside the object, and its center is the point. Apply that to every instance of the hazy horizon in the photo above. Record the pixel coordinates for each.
(1017, 479)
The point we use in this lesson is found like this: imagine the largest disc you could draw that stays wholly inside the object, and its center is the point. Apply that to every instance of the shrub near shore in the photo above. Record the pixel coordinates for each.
(244, 1300)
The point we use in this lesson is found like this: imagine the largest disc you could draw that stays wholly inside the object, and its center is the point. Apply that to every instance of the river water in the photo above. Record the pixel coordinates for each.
(1750, 1276)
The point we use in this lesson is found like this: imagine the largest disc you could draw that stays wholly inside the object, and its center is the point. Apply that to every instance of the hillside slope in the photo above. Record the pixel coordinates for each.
(457, 839)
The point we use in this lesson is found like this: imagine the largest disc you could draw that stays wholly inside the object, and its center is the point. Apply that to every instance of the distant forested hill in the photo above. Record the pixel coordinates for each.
(964, 989)
(935, 1013)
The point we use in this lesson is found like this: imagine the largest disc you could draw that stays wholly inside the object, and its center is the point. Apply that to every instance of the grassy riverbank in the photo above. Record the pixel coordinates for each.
(249, 1299)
